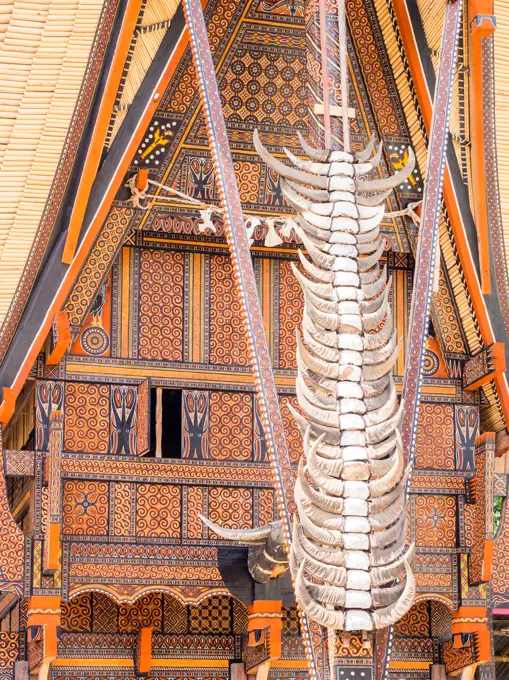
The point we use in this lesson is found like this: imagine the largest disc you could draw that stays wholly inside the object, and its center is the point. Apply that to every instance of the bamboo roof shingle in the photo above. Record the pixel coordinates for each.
(44, 51)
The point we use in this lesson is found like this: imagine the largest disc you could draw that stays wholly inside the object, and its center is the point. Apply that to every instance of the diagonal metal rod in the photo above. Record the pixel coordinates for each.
(244, 275)
(427, 247)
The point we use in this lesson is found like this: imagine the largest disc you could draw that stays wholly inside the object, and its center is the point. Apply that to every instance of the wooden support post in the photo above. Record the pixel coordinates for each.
(159, 422)
(238, 671)
(427, 246)
(53, 462)
(143, 655)
(438, 672)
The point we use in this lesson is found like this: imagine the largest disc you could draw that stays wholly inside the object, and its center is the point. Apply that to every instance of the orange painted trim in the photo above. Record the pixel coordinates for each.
(480, 7)
(89, 238)
(54, 547)
(144, 659)
(100, 130)
(142, 179)
(63, 335)
(487, 565)
(8, 405)
(478, 160)
(43, 609)
(451, 200)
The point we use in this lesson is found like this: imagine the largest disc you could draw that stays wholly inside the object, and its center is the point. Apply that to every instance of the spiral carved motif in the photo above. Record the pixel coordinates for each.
(228, 343)
(158, 510)
(231, 507)
(231, 425)
(87, 417)
(161, 305)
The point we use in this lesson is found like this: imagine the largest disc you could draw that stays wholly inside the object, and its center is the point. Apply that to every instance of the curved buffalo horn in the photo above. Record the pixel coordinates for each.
(308, 166)
(330, 618)
(319, 195)
(256, 536)
(317, 181)
(295, 199)
(377, 185)
(375, 200)
(395, 611)
(365, 154)
(315, 154)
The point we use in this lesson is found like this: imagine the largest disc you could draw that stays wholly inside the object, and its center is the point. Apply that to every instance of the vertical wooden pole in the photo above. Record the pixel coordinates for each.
(159, 422)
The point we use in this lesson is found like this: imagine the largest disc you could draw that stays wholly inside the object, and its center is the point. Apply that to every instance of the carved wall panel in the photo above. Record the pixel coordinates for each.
(161, 305)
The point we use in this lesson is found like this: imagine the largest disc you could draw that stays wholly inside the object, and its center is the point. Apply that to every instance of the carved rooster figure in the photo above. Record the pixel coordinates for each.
(348, 547)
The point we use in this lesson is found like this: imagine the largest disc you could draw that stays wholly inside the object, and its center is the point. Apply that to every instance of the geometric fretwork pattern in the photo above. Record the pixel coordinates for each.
(211, 616)
(441, 620)
(291, 621)
(175, 616)
(105, 613)
(239, 618)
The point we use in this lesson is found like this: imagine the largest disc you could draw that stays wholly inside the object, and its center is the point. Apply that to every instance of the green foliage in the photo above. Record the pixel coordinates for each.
(497, 512)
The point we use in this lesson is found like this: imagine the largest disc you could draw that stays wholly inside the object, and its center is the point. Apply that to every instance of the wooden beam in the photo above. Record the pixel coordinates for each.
(427, 247)
(244, 274)
(452, 201)
(482, 26)
(98, 135)
(61, 336)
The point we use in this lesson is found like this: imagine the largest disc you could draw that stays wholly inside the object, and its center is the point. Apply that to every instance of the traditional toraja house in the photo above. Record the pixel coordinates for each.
(255, 306)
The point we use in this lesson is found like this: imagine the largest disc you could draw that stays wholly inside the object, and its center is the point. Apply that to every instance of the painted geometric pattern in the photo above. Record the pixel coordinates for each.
(415, 623)
(86, 417)
(291, 621)
(293, 438)
(239, 613)
(231, 426)
(231, 507)
(8, 650)
(435, 437)
(228, 343)
(161, 305)
(291, 302)
(77, 613)
(158, 510)
(435, 521)
(441, 620)
(145, 612)
(211, 616)
(175, 616)
(85, 508)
